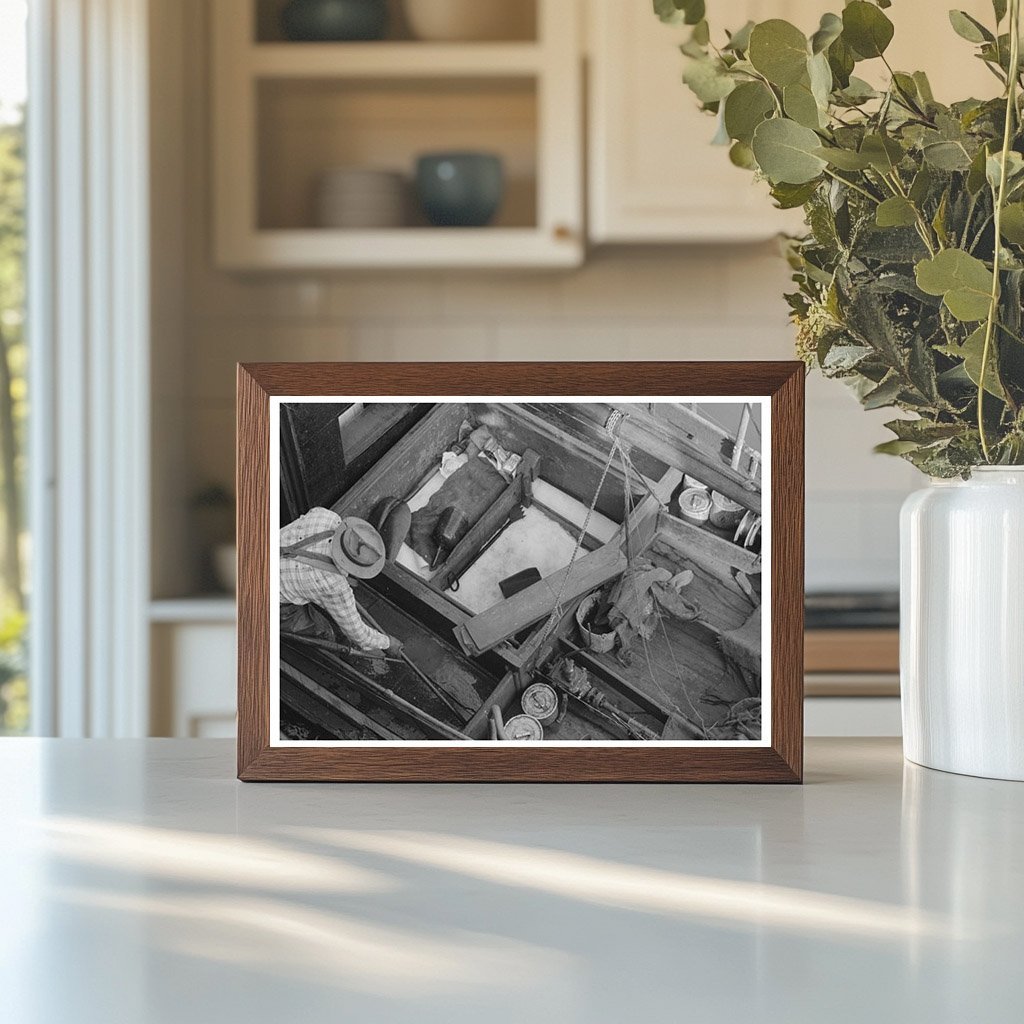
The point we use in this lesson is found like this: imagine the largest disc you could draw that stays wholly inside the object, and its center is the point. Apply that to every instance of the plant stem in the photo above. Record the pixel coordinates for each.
(849, 184)
(993, 309)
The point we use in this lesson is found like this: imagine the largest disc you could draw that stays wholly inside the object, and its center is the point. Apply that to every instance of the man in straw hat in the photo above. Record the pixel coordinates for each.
(319, 552)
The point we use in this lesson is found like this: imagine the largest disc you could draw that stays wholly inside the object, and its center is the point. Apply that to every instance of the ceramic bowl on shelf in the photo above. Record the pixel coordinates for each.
(333, 21)
(469, 20)
(361, 198)
(460, 189)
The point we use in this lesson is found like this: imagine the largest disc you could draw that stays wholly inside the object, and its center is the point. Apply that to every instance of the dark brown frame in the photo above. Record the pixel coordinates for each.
(645, 762)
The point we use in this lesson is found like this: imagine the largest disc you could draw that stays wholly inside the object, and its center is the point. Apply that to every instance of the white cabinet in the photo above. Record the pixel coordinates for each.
(286, 113)
(653, 175)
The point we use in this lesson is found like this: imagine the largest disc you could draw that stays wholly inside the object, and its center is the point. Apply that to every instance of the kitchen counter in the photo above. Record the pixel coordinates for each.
(143, 884)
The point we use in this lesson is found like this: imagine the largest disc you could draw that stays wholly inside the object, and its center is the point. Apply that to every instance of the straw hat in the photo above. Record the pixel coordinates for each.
(357, 548)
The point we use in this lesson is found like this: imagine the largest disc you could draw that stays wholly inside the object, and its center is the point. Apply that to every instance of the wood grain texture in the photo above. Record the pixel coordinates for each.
(852, 650)
(644, 762)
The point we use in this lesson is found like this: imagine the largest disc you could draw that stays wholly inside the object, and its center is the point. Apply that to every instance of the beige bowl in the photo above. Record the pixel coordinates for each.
(470, 20)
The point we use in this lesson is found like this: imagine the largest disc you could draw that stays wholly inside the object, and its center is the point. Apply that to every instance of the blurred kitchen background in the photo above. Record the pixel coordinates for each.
(289, 219)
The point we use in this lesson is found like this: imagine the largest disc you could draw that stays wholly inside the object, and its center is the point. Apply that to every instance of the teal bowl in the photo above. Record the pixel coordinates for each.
(334, 21)
(460, 190)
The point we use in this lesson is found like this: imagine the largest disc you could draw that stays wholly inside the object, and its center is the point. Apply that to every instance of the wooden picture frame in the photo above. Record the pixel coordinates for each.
(780, 387)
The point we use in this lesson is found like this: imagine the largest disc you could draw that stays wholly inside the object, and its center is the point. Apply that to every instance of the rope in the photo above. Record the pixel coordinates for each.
(611, 426)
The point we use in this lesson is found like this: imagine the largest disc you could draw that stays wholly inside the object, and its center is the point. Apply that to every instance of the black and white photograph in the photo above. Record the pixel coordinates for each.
(520, 570)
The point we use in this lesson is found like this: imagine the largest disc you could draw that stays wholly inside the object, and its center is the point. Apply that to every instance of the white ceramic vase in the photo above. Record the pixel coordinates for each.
(962, 624)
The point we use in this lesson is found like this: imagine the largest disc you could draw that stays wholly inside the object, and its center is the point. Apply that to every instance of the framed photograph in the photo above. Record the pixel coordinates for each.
(520, 572)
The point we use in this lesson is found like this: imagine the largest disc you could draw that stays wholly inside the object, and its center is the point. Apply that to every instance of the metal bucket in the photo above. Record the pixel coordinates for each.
(603, 643)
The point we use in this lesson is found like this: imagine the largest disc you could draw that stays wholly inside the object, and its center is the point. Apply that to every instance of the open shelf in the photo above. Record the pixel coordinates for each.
(393, 59)
(288, 113)
(518, 23)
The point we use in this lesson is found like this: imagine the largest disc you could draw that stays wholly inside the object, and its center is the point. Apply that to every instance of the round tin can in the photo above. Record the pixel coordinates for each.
(523, 727)
(695, 505)
(541, 702)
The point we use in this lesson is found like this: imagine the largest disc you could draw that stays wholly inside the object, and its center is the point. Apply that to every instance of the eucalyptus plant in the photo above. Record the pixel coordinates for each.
(910, 278)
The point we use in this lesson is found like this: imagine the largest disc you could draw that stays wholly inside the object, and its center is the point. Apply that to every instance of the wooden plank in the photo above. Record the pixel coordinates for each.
(477, 727)
(362, 682)
(705, 547)
(678, 451)
(317, 704)
(487, 629)
(852, 650)
(408, 461)
(463, 554)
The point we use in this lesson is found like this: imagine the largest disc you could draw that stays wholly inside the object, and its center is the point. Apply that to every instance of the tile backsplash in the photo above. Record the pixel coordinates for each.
(721, 302)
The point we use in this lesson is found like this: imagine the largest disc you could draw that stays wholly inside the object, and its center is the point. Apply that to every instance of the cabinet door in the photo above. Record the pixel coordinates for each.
(654, 175)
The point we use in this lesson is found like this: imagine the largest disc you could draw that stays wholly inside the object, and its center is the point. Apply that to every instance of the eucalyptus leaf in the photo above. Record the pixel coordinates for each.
(972, 353)
(866, 29)
(1012, 225)
(800, 105)
(786, 152)
(739, 41)
(963, 281)
(741, 155)
(829, 30)
(969, 28)
(844, 159)
(708, 80)
(883, 153)
(779, 51)
(745, 108)
(895, 212)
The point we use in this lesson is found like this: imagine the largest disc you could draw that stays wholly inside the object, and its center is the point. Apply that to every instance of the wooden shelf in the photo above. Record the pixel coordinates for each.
(311, 248)
(286, 112)
(393, 60)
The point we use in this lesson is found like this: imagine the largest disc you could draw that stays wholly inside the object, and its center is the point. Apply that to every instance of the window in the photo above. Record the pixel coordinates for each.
(14, 549)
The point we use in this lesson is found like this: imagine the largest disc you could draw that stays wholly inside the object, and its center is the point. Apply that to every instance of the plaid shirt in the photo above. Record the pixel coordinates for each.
(302, 583)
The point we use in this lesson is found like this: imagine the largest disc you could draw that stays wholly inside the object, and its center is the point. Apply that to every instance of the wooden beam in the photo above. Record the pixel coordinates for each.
(642, 430)
(705, 547)
(362, 682)
(317, 704)
(490, 627)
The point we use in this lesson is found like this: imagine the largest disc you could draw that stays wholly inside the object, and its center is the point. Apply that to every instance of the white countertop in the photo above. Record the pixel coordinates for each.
(143, 885)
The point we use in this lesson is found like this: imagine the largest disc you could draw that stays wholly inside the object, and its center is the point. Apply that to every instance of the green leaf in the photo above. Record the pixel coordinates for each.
(745, 108)
(739, 41)
(895, 447)
(969, 28)
(844, 159)
(963, 281)
(896, 212)
(778, 50)
(946, 156)
(829, 30)
(866, 29)
(789, 197)
(841, 60)
(971, 352)
(676, 12)
(785, 152)
(1012, 225)
(741, 155)
(708, 80)
(800, 105)
(883, 153)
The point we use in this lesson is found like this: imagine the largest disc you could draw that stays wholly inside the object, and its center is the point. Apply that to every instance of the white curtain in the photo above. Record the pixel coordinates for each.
(88, 317)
